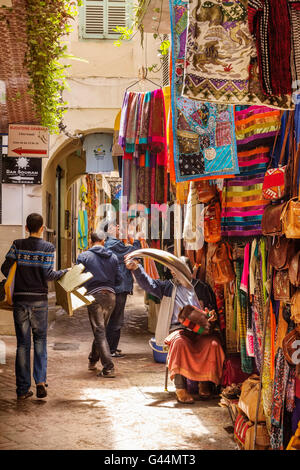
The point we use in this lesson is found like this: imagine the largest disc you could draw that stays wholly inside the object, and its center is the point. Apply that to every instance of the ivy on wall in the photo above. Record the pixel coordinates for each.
(47, 21)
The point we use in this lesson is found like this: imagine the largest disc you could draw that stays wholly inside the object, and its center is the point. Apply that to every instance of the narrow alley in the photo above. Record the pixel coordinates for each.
(86, 412)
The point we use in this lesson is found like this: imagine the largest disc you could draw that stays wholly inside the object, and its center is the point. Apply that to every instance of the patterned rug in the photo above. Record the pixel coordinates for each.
(204, 133)
(220, 56)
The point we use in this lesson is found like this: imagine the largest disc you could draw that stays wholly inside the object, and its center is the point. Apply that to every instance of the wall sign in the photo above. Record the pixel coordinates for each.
(28, 141)
(21, 170)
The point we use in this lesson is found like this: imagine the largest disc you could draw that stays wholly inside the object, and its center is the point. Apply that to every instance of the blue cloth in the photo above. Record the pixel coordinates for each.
(119, 248)
(104, 266)
(184, 296)
(30, 316)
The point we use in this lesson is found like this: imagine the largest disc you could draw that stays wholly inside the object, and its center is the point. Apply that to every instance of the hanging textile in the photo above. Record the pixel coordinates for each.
(294, 11)
(242, 201)
(91, 203)
(82, 230)
(269, 23)
(142, 135)
(218, 56)
(203, 133)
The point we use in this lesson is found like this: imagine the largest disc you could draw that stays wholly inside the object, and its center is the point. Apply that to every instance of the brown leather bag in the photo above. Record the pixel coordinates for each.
(294, 270)
(295, 307)
(221, 262)
(281, 285)
(206, 191)
(281, 253)
(290, 346)
(290, 218)
(212, 222)
(271, 220)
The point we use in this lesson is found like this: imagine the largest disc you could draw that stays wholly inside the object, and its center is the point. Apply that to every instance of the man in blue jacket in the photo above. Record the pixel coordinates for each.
(116, 321)
(104, 266)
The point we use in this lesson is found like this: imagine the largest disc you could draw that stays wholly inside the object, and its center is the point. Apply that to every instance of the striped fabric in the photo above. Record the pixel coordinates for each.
(243, 204)
(294, 8)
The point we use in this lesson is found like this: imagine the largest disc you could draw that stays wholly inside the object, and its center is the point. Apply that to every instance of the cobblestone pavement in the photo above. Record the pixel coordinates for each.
(83, 411)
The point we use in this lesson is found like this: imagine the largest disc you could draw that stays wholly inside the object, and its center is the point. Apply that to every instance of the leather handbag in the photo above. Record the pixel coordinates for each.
(271, 223)
(249, 397)
(221, 262)
(291, 346)
(275, 185)
(294, 270)
(206, 191)
(295, 307)
(281, 253)
(212, 222)
(290, 218)
(281, 286)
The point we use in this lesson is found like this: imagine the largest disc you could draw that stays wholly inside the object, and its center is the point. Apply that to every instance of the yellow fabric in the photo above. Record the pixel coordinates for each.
(117, 121)
(10, 284)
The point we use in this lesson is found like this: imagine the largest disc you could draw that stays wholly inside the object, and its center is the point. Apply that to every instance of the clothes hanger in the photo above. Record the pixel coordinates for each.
(143, 72)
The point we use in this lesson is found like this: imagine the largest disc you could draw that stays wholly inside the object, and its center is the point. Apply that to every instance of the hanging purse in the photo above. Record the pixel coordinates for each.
(206, 191)
(294, 270)
(212, 222)
(290, 345)
(290, 216)
(275, 185)
(295, 307)
(281, 286)
(281, 253)
(221, 264)
(271, 223)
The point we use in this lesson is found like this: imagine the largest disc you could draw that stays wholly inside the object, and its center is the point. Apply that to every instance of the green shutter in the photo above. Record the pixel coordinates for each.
(98, 19)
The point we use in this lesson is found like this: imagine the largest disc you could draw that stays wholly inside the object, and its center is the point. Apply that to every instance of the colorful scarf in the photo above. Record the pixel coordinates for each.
(243, 204)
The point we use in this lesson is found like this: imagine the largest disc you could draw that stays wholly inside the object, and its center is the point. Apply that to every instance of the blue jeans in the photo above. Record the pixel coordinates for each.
(30, 316)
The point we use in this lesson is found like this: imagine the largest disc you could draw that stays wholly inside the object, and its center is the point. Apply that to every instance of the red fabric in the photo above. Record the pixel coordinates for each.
(280, 47)
(232, 371)
(198, 358)
(297, 388)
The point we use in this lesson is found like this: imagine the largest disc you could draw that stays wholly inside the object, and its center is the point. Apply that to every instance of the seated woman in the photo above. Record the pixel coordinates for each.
(191, 356)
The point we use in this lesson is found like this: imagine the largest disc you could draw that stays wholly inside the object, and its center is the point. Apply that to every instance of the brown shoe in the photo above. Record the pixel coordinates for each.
(204, 390)
(184, 397)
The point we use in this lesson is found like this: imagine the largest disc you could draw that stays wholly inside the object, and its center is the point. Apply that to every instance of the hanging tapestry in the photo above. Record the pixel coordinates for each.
(221, 58)
(242, 201)
(269, 23)
(294, 9)
(204, 137)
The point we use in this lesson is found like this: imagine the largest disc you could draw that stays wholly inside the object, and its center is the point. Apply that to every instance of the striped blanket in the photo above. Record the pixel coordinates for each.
(242, 201)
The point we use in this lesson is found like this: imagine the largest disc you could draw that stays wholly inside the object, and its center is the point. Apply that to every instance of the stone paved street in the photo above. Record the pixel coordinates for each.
(83, 411)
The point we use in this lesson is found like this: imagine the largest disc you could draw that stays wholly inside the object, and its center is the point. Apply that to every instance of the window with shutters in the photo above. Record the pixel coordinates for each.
(99, 18)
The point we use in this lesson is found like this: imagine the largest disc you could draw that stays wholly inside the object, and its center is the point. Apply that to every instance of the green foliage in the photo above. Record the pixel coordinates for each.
(46, 22)
(127, 33)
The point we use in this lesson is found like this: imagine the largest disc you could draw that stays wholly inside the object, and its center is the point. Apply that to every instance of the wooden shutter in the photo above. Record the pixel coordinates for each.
(98, 19)
(92, 19)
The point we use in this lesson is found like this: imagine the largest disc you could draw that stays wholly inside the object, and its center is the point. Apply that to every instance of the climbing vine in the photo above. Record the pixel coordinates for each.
(47, 21)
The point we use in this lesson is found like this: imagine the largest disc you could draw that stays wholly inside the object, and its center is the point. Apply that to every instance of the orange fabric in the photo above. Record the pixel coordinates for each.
(273, 331)
(149, 264)
(196, 357)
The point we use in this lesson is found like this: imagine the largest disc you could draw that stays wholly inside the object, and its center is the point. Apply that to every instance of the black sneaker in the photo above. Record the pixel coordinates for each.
(26, 395)
(41, 391)
(92, 365)
(117, 354)
(107, 373)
